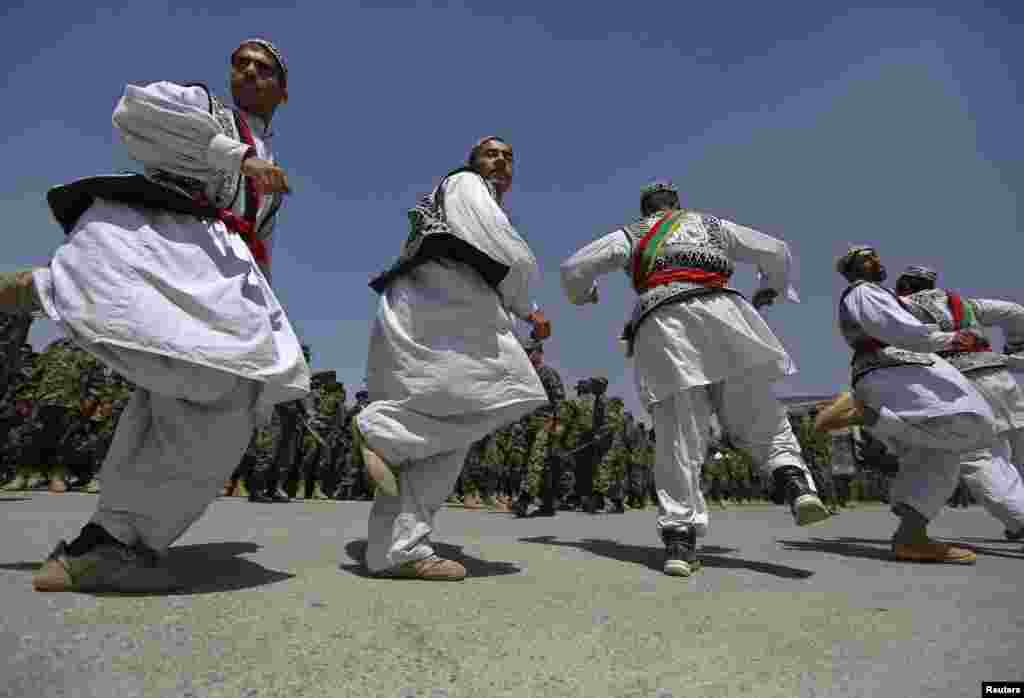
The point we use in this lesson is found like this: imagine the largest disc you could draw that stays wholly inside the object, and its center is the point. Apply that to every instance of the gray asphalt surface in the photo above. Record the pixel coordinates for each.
(571, 606)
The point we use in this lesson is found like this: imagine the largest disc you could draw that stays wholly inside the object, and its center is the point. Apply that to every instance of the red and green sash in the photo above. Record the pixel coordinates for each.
(644, 278)
(963, 317)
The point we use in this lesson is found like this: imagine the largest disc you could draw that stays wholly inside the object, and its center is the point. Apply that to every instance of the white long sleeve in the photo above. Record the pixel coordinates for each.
(168, 126)
(771, 256)
(1006, 315)
(882, 317)
(474, 215)
(580, 272)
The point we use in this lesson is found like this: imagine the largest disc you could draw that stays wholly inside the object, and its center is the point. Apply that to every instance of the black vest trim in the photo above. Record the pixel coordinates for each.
(69, 201)
(439, 245)
(445, 246)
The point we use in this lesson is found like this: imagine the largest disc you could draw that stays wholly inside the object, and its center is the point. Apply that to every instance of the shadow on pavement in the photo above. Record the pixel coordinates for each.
(868, 548)
(15, 499)
(992, 541)
(210, 567)
(651, 557)
(202, 569)
(475, 567)
(20, 566)
(880, 548)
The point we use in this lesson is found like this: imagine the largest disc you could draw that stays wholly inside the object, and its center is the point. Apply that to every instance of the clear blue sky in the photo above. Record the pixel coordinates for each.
(813, 122)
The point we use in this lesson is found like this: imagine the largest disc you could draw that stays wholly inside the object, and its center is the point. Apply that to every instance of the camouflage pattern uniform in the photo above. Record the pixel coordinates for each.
(14, 331)
(14, 413)
(588, 458)
(531, 427)
(57, 389)
(317, 461)
(506, 450)
(610, 481)
(354, 483)
(77, 451)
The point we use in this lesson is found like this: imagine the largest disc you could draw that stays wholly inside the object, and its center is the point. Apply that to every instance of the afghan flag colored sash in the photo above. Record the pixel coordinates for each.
(963, 317)
(644, 278)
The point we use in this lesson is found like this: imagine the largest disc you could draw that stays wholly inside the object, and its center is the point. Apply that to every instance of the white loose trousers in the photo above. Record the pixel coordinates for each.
(755, 421)
(932, 452)
(996, 484)
(399, 527)
(172, 452)
(1016, 436)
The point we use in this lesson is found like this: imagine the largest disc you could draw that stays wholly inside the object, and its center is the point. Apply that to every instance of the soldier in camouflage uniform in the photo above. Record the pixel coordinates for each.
(480, 471)
(533, 423)
(506, 450)
(14, 412)
(78, 448)
(14, 331)
(354, 484)
(57, 399)
(320, 406)
(610, 481)
(589, 457)
(637, 497)
(285, 467)
(331, 410)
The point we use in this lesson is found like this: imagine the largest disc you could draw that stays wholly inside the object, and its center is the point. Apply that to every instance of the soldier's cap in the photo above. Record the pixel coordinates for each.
(919, 272)
(656, 186)
(843, 263)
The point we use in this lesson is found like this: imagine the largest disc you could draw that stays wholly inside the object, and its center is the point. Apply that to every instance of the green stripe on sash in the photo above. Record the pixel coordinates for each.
(654, 242)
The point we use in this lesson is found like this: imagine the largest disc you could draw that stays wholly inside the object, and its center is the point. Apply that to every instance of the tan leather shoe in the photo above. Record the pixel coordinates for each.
(106, 568)
(229, 489)
(933, 551)
(844, 411)
(432, 568)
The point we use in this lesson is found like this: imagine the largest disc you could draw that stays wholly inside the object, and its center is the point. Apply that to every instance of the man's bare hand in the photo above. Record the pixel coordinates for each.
(765, 296)
(268, 177)
(541, 325)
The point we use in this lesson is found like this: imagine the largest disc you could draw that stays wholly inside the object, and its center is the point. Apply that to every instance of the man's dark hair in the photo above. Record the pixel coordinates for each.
(659, 201)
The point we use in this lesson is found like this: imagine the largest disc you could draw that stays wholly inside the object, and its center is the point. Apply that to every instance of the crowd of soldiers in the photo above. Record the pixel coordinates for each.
(58, 412)
(585, 452)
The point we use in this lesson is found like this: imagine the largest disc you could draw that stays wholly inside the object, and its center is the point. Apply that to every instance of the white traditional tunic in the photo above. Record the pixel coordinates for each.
(1016, 437)
(930, 417)
(703, 356)
(169, 285)
(705, 339)
(444, 370)
(179, 307)
(1009, 317)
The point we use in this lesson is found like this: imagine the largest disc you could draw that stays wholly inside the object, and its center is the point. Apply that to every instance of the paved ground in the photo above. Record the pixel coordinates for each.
(571, 606)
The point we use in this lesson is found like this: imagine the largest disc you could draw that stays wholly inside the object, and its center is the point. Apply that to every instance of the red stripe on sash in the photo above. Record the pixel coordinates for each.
(252, 203)
(641, 246)
(700, 276)
(956, 307)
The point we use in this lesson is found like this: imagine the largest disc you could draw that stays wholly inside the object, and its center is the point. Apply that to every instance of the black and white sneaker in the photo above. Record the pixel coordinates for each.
(791, 487)
(680, 551)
